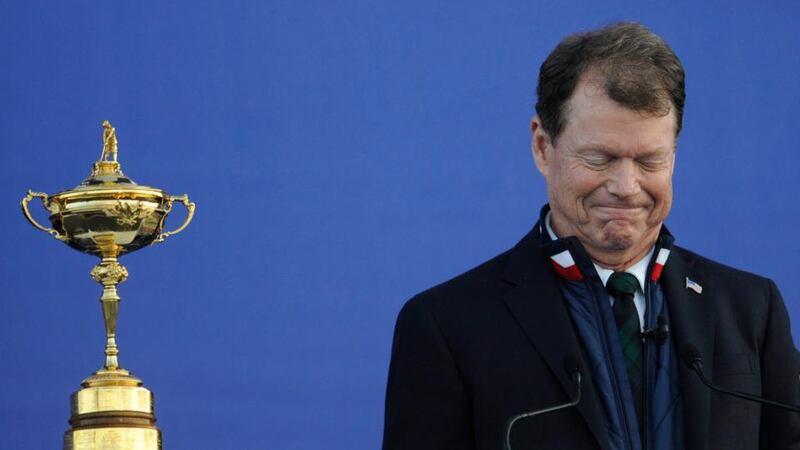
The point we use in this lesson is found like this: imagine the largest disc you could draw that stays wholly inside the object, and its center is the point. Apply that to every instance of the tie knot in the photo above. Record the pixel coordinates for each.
(622, 284)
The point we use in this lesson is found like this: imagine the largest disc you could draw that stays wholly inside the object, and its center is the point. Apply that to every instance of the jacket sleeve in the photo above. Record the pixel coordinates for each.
(779, 371)
(427, 404)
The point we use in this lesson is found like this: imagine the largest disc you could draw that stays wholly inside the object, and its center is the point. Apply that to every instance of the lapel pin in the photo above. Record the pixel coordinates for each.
(693, 286)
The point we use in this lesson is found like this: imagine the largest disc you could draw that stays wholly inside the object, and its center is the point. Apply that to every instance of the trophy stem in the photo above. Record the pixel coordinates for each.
(112, 410)
(109, 273)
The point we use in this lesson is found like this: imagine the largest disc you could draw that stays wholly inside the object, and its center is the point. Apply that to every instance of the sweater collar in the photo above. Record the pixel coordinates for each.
(571, 261)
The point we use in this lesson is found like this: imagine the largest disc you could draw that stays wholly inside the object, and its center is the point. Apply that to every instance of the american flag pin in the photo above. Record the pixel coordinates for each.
(693, 286)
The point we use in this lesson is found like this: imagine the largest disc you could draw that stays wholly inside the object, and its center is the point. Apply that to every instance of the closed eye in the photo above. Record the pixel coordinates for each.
(597, 160)
(653, 163)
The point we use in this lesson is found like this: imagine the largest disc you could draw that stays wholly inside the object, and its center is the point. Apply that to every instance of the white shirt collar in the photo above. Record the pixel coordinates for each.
(639, 269)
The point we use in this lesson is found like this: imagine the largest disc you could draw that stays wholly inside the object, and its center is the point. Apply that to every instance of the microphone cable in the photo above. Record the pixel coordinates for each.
(573, 367)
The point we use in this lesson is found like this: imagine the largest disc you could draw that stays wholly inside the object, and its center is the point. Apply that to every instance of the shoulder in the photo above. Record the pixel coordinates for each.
(477, 285)
(734, 292)
(718, 272)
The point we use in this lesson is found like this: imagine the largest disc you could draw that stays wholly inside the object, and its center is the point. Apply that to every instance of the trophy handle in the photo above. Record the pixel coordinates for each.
(189, 214)
(45, 200)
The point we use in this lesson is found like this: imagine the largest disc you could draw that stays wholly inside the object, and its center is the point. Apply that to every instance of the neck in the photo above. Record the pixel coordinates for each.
(617, 261)
(614, 259)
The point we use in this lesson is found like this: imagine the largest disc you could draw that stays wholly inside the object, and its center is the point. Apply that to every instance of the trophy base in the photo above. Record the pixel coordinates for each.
(112, 411)
(112, 438)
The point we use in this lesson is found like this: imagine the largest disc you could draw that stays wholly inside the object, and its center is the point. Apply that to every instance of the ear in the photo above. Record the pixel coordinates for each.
(541, 146)
(674, 152)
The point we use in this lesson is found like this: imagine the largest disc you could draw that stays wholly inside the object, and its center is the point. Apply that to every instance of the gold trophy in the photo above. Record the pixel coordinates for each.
(109, 215)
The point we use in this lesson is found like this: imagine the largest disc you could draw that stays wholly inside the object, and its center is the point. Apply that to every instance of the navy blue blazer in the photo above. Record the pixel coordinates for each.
(490, 343)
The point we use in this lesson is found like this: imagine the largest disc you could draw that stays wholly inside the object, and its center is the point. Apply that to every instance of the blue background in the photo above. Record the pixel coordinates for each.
(343, 156)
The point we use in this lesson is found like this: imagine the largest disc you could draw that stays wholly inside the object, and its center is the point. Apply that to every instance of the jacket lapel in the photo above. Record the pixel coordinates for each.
(692, 321)
(537, 304)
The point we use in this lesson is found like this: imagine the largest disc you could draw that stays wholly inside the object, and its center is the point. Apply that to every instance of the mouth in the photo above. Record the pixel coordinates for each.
(620, 207)
(619, 211)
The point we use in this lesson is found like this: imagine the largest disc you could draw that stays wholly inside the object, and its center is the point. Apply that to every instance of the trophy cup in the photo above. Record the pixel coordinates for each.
(109, 215)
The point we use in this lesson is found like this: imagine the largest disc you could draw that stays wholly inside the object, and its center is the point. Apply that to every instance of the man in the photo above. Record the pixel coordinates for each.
(598, 288)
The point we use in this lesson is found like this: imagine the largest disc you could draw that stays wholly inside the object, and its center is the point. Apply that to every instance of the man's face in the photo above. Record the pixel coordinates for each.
(609, 178)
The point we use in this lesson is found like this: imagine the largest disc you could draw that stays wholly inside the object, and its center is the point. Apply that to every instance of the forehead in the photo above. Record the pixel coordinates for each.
(595, 120)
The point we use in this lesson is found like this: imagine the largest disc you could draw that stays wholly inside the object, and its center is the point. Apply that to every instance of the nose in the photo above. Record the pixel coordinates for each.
(624, 178)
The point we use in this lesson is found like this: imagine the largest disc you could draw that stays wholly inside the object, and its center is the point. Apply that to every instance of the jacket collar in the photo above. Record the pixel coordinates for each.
(537, 303)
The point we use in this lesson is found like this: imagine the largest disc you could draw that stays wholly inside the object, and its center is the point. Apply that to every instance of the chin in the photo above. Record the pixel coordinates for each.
(617, 240)
(618, 243)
